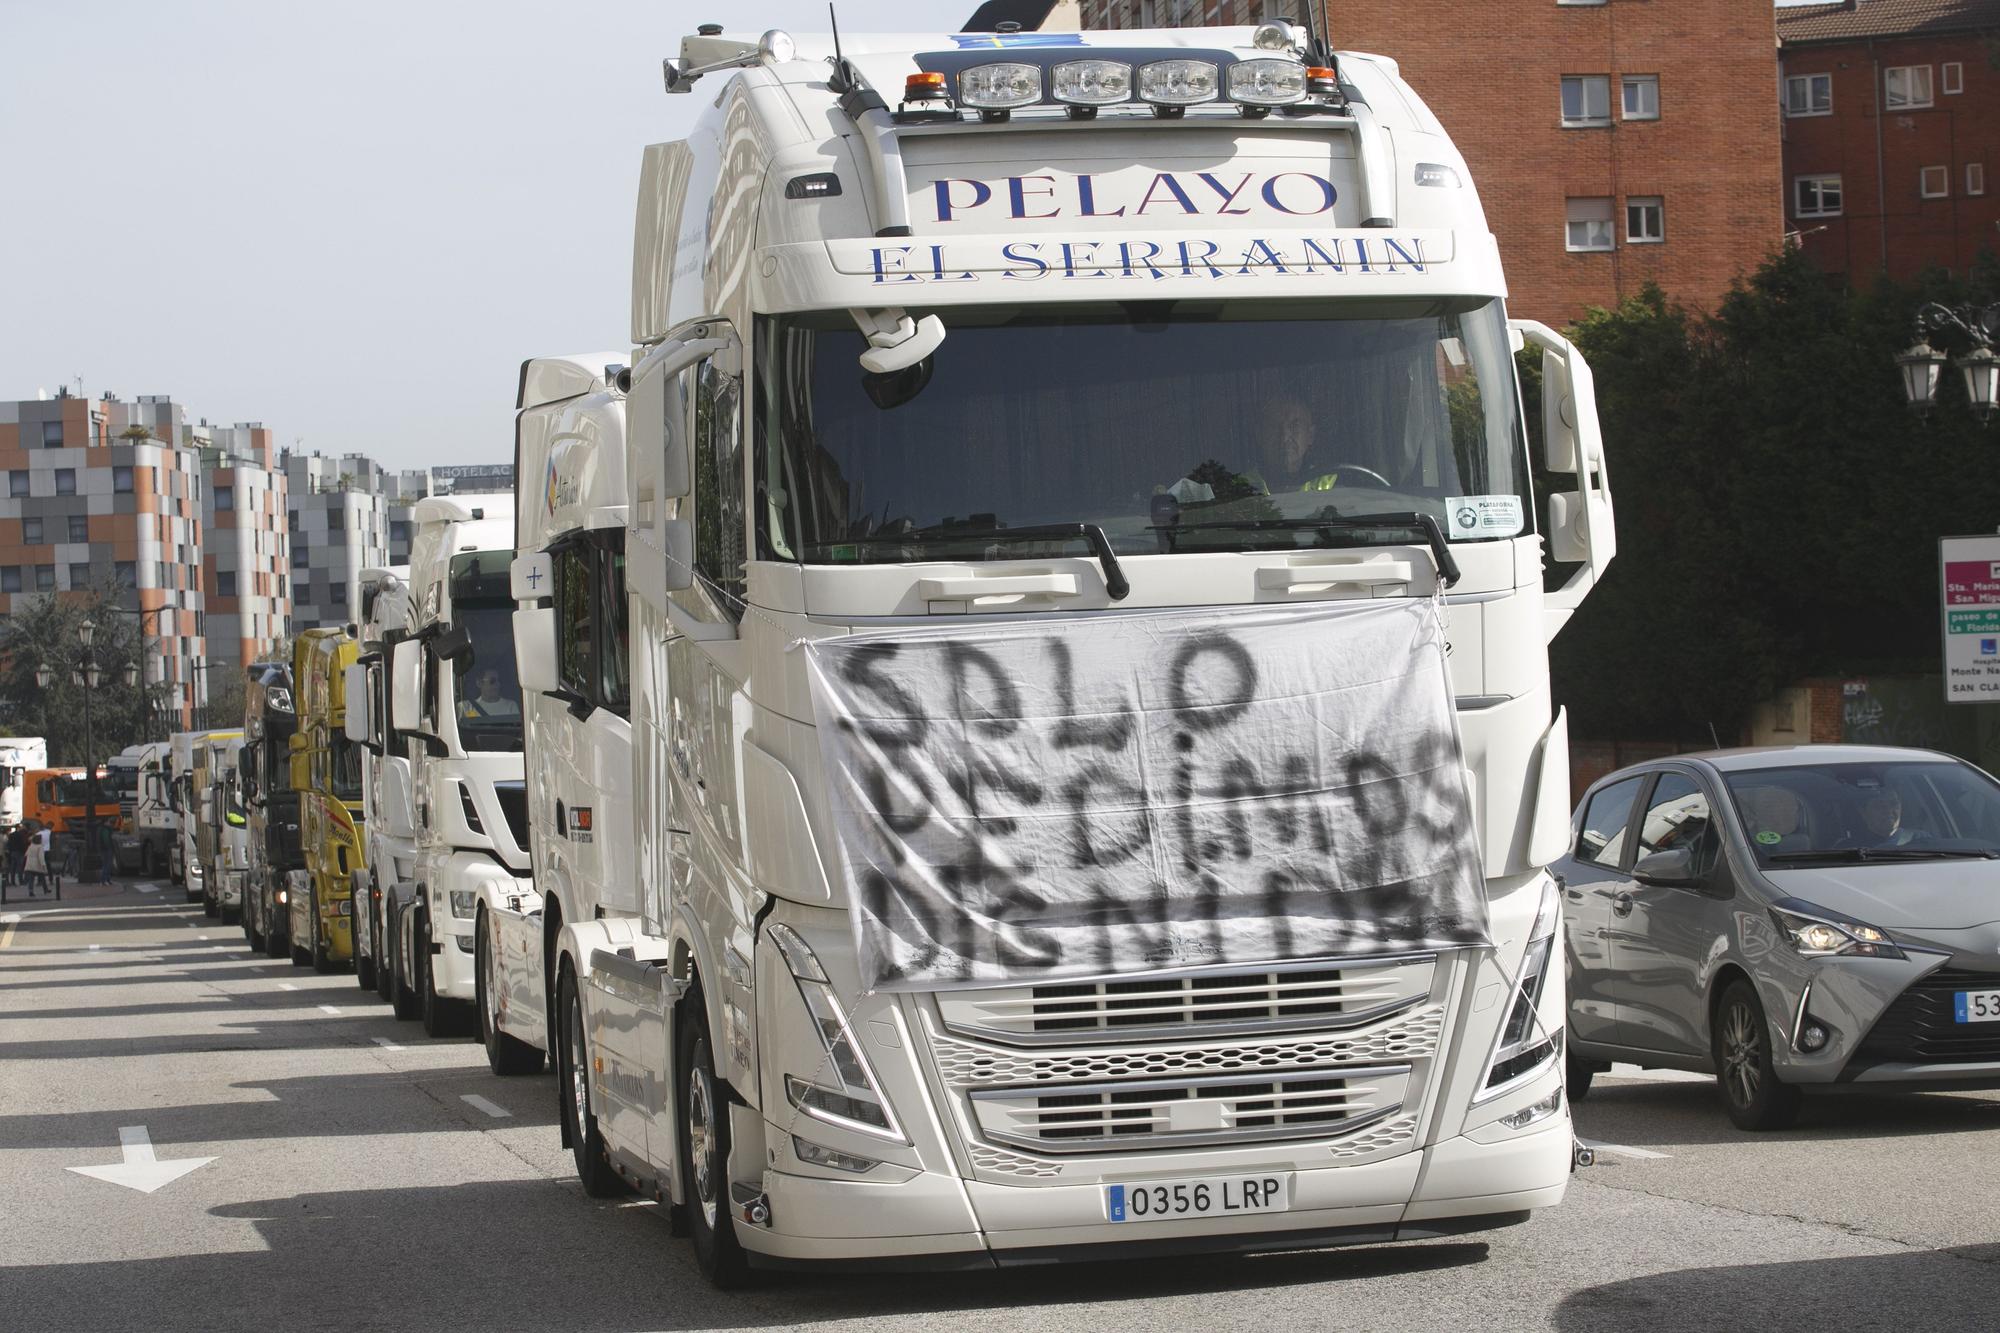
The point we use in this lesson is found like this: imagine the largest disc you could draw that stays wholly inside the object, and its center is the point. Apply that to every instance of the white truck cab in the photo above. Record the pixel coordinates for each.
(387, 803)
(569, 578)
(453, 696)
(1013, 422)
(18, 755)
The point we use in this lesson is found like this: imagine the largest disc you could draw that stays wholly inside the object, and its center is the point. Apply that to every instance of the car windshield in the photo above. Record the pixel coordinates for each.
(1830, 813)
(1174, 426)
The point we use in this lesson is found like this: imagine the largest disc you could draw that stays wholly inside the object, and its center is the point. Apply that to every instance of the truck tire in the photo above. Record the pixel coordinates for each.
(586, 1145)
(505, 1055)
(364, 967)
(209, 906)
(380, 958)
(402, 995)
(704, 1147)
(442, 1017)
(364, 964)
(250, 931)
(322, 949)
(302, 954)
(274, 943)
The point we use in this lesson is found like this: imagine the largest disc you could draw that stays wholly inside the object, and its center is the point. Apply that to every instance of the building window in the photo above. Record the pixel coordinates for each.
(45, 578)
(17, 485)
(1642, 97)
(225, 583)
(1934, 182)
(1954, 78)
(1589, 224)
(79, 574)
(127, 573)
(52, 436)
(1586, 99)
(1809, 95)
(1645, 220)
(1816, 197)
(1975, 178)
(31, 531)
(1907, 86)
(299, 556)
(225, 497)
(65, 481)
(336, 594)
(10, 578)
(121, 480)
(79, 528)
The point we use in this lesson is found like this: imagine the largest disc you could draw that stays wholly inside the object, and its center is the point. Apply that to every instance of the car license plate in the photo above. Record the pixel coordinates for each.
(1210, 1196)
(1976, 1006)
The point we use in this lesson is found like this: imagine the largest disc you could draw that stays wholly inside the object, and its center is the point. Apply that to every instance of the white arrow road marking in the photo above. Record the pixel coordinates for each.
(7, 924)
(478, 1103)
(1623, 1151)
(140, 1170)
(386, 1044)
(327, 1008)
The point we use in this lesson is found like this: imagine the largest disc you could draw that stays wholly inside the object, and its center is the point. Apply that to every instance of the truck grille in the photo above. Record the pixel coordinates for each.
(1312, 996)
(1220, 1109)
(1918, 1027)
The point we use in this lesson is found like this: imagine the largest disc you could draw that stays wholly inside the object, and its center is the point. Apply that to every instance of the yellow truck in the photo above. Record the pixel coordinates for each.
(326, 771)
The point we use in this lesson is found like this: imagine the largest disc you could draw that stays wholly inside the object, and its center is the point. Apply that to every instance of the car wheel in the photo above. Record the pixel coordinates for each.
(1577, 1076)
(704, 1145)
(593, 1164)
(1741, 1042)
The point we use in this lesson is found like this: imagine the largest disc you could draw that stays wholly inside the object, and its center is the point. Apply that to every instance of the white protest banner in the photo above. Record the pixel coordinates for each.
(1053, 798)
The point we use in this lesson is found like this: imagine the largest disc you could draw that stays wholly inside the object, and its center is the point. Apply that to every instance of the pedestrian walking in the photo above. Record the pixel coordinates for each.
(17, 853)
(37, 864)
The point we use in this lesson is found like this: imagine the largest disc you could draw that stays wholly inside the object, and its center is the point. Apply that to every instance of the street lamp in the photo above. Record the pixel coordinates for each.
(1922, 364)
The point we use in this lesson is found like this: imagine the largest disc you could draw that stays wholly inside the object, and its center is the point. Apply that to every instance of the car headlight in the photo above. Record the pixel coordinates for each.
(1814, 933)
(464, 903)
(1525, 1043)
(856, 1102)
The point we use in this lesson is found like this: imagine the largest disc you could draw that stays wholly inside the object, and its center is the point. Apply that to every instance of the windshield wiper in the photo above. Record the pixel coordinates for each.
(1837, 854)
(1115, 584)
(1427, 524)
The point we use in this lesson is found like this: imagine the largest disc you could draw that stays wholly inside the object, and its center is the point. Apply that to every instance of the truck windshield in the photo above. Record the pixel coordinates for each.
(345, 760)
(488, 696)
(74, 789)
(1175, 426)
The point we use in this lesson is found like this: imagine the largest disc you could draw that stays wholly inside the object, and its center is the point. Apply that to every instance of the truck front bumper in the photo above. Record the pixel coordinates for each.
(929, 1220)
(229, 887)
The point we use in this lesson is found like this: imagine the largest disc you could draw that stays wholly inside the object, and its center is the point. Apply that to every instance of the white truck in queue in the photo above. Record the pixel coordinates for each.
(18, 756)
(1094, 767)
(570, 539)
(454, 704)
(149, 827)
(221, 825)
(388, 810)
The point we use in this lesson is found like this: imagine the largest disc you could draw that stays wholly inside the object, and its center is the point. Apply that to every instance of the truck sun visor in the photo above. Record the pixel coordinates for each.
(1067, 798)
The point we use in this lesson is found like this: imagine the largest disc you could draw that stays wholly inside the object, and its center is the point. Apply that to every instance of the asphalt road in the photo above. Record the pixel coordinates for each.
(354, 1186)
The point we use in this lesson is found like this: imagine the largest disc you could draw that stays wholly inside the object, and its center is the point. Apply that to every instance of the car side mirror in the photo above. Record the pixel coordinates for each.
(1673, 867)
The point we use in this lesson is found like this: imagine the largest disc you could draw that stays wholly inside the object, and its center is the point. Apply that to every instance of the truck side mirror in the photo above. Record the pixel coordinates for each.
(535, 649)
(1581, 525)
(452, 645)
(406, 663)
(355, 721)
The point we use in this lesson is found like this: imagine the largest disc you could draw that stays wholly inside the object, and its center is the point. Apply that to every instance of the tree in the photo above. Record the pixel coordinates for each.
(43, 631)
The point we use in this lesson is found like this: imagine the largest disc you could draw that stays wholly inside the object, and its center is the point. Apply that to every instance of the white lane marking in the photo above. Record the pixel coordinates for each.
(478, 1103)
(286, 985)
(201, 937)
(386, 1044)
(140, 1170)
(7, 924)
(1624, 1151)
(329, 1009)
(1639, 1075)
(149, 888)
(93, 948)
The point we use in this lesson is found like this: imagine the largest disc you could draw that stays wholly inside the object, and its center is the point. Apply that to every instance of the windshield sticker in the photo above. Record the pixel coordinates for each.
(1475, 516)
(1027, 261)
(1770, 839)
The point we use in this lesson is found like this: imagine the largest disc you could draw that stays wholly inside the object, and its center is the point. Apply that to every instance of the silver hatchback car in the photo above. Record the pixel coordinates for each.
(1823, 916)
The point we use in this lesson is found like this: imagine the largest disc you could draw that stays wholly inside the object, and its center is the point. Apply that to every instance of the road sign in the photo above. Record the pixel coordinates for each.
(1969, 574)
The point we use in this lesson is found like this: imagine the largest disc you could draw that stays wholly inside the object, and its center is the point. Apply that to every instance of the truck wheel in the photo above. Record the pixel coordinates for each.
(403, 994)
(209, 906)
(364, 966)
(442, 1017)
(250, 931)
(301, 950)
(322, 948)
(379, 960)
(593, 1166)
(704, 1146)
(505, 1055)
(274, 943)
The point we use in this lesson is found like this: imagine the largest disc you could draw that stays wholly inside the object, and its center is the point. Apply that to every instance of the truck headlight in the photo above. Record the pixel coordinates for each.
(1815, 934)
(1525, 1045)
(464, 903)
(855, 1100)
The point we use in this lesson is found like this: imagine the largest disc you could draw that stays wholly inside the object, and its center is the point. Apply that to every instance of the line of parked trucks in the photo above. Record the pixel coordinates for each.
(570, 781)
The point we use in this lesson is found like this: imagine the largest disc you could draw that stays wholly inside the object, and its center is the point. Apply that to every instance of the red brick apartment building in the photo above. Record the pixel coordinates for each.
(1890, 112)
(1614, 142)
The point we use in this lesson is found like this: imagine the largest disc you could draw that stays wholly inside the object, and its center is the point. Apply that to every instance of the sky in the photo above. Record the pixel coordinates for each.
(351, 222)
